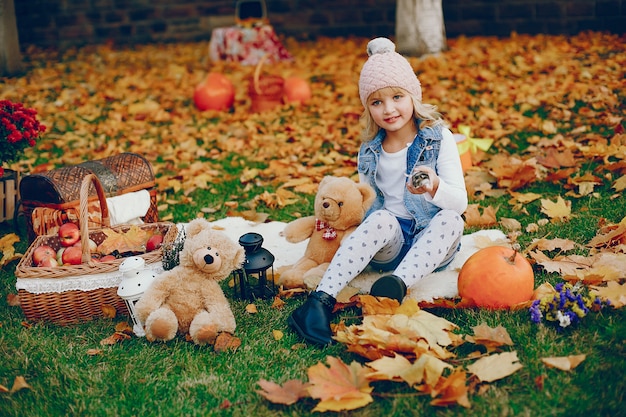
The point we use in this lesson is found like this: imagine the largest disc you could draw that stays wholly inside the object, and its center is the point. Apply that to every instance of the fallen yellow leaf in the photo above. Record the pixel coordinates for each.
(564, 363)
(496, 366)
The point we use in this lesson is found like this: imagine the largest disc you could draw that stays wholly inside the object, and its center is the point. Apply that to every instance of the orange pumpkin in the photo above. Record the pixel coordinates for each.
(496, 277)
(216, 92)
(297, 90)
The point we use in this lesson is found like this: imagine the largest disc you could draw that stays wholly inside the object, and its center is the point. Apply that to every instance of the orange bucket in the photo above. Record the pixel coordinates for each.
(463, 146)
(266, 91)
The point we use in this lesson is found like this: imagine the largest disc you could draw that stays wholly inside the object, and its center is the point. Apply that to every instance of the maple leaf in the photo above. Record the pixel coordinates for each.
(124, 327)
(114, 338)
(132, 240)
(427, 369)
(605, 266)
(554, 244)
(8, 250)
(372, 305)
(564, 265)
(610, 236)
(613, 292)
(339, 386)
(496, 366)
(523, 198)
(564, 363)
(490, 337)
(510, 224)
(559, 211)
(544, 290)
(19, 383)
(383, 334)
(619, 184)
(435, 330)
(473, 216)
(278, 303)
(389, 368)
(288, 393)
(452, 390)
(13, 300)
(108, 311)
(226, 342)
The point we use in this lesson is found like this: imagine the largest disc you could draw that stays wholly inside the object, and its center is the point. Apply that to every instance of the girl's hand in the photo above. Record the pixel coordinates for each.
(423, 179)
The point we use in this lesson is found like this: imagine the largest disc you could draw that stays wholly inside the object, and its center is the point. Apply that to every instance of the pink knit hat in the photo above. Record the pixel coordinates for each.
(386, 68)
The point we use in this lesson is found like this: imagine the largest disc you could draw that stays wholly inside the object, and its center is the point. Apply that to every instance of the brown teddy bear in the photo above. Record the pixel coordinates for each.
(340, 205)
(188, 298)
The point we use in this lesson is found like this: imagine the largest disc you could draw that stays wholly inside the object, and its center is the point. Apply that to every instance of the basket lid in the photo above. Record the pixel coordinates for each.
(118, 174)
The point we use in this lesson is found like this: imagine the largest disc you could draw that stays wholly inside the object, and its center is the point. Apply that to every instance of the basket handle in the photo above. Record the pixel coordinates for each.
(257, 74)
(84, 213)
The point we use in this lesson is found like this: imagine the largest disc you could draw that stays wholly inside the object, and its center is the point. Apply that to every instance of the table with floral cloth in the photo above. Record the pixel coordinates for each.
(247, 45)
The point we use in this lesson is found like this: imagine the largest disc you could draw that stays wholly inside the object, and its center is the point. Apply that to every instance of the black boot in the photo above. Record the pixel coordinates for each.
(390, 286)
(312, 319)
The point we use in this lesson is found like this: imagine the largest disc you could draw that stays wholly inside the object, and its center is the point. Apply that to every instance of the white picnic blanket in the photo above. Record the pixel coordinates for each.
(441, 284)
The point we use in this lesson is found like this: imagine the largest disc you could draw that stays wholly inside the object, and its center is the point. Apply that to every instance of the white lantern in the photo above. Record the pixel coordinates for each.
(135, 280)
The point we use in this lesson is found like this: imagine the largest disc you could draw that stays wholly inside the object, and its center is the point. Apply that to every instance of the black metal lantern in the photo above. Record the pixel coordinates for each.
(252, 281)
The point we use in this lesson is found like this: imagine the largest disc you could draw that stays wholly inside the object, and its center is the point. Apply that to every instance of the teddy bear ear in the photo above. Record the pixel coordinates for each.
(324, 180)
(368, 194)
(196, 226)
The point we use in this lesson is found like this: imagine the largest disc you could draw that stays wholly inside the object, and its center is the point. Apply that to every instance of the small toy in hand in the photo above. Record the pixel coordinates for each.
(420, 179)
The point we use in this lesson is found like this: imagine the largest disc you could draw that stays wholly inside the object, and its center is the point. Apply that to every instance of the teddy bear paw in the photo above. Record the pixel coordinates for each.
(161, 328)
(205, 335)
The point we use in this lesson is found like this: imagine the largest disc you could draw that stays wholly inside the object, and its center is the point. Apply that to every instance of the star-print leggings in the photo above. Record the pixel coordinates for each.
(381, 238)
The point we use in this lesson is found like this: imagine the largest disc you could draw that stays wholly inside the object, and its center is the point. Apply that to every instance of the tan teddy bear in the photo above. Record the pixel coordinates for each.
(340, 205)
(188, 298)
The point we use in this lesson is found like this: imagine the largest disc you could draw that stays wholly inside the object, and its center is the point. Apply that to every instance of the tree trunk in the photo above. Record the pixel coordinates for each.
(10, 58)
(420, 28)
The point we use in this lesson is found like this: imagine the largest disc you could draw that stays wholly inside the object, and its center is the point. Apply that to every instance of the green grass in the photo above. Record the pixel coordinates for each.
(136, 377)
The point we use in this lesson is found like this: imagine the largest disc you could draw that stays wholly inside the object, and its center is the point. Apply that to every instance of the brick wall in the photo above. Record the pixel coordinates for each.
(65, 23)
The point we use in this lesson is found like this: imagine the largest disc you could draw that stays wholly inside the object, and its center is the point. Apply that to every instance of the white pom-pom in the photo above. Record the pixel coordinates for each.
(380, 46)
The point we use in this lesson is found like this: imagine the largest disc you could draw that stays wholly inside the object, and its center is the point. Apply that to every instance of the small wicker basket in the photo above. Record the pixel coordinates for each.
(266, 91)
(71, 294)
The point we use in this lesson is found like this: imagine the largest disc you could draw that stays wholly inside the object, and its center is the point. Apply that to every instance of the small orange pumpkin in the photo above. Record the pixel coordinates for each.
(297, 90)
(216, 92)
(496, 277)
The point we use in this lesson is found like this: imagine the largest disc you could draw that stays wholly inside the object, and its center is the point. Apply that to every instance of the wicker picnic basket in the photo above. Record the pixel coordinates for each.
(49, 199)
(71, 294)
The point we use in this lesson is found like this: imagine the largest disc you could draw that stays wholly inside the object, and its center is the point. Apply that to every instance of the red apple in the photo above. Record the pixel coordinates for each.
(69, 234)
(42, 252)
(72, 256)
(49, 262)
(154, 242)
(107, 258)
(216, 92)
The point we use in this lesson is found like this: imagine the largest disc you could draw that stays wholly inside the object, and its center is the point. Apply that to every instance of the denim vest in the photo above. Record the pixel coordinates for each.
(423, 151)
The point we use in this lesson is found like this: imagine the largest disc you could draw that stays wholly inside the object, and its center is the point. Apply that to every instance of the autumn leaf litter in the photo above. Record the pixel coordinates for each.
(105, 100)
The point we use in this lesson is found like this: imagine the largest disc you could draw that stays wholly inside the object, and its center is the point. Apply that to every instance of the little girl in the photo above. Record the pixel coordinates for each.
(410, 158)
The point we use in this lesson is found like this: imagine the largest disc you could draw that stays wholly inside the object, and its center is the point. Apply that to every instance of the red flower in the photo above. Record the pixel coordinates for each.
(19, 129)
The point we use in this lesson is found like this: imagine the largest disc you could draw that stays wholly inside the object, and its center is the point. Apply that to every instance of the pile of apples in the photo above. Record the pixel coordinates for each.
(71, 253)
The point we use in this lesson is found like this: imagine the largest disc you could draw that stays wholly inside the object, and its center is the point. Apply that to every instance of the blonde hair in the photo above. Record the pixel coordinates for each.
(427, 115)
